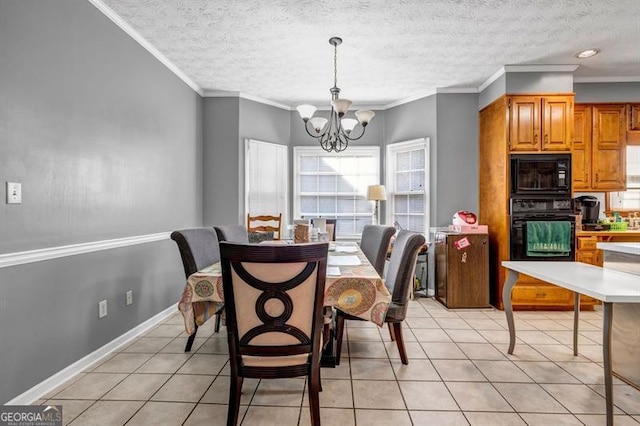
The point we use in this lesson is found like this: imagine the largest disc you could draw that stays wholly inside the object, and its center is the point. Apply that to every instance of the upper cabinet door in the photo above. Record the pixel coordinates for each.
(609, 147)
(581, 148)
(556, 123)
(524, 123)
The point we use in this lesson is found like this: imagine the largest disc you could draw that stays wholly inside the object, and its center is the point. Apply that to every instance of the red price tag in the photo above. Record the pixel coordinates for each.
(462, 243)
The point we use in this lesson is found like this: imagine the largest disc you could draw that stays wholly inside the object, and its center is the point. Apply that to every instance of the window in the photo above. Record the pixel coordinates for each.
(407, 184)
(266, 178)
(335, 186)
(629, 199)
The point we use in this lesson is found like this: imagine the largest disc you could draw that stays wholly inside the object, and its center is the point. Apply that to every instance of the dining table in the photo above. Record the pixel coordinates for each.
(352, 285)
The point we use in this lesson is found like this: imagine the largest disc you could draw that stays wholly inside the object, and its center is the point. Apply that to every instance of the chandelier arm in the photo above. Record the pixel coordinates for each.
(306, 127)
(355, 139)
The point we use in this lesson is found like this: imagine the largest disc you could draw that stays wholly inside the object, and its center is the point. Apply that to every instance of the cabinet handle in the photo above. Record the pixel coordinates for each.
(540, 295)
(546, 138)
(597, 178)
(535, 138)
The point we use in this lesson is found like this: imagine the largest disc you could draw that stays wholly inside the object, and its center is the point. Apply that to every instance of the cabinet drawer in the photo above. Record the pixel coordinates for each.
(541, 295)
(587, 243)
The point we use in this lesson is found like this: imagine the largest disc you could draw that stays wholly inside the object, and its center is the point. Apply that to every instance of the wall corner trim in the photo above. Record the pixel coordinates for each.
(116, 19)
(36, 392)
(38, 255)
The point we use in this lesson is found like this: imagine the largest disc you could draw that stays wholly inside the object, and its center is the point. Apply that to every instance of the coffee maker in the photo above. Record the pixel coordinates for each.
(589, 208)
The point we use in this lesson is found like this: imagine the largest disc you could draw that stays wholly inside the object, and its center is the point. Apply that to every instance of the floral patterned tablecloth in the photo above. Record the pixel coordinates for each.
(358, 291)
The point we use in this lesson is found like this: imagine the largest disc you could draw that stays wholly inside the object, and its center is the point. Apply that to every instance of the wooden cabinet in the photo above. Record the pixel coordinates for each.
(633, 123)
(510, 124)
(581, 148)
(599, 148)
(586, 250)
(540, 123)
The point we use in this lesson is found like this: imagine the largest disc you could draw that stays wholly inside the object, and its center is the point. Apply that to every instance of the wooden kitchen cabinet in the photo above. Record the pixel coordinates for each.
(496, 124)
(540, 123)
(633, 123)
(599, 148)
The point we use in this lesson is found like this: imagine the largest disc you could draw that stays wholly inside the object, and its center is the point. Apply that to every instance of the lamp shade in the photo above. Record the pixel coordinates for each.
(376, 193)
(306, 111)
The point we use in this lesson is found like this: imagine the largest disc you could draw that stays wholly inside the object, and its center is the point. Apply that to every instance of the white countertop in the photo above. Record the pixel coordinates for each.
(629, 248)
(603, 284)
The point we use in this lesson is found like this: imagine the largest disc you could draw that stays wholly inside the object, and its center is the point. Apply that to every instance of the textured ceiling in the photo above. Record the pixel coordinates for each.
(393, 49)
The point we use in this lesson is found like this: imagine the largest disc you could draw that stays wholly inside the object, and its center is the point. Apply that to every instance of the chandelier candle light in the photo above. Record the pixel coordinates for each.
(334, 134)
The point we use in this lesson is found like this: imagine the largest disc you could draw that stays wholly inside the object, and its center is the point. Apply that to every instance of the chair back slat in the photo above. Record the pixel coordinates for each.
(265, 223)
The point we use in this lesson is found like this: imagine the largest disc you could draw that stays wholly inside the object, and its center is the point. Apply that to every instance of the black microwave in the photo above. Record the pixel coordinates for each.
(540, 174)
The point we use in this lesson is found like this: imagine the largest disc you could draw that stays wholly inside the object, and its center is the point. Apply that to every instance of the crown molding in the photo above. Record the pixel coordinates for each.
(629, 79)
(410, 99)
(231, 94)
(458, 90)
(540, 68)
(493, 77)
(116, 19)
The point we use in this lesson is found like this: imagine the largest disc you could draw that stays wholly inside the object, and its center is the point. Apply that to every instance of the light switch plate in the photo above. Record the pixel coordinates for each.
(14, 193)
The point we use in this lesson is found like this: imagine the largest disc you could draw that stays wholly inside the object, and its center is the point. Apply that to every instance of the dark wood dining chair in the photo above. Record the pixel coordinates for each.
(375, 243)
(265, 223)
(399, 282)
(274, 296)
(198, 249)
(232, 233)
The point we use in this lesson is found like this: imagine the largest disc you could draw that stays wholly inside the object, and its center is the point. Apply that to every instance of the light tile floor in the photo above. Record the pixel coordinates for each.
(459, 374)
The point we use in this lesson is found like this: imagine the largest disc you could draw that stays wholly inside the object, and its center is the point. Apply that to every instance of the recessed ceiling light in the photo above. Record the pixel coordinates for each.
(587, 53)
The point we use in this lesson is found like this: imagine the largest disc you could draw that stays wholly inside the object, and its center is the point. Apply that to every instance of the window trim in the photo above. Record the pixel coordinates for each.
(391, 150)
(300, 151)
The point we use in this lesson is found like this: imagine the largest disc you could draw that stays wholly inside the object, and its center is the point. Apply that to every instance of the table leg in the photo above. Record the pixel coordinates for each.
(512, 277)
(576, 318)
(328, 358)
(606, 347)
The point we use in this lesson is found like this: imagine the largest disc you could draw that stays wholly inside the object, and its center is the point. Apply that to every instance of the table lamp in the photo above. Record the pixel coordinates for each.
(376, 193)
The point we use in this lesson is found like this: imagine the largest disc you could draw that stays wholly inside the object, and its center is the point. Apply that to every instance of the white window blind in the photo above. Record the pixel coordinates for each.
(408, 184)
(629, 199)
(266, 179)
(334, 185)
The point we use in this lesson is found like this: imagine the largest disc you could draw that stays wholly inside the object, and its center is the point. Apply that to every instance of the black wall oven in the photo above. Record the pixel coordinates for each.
(540, 175)
(540, 210)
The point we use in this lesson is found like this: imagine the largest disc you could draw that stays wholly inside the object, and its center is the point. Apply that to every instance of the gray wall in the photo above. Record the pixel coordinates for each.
(607, 92)
(492, 91)
(227, 123)
(457, 155)
(106, 142)
(451, 123)
(539, 82)
(220, 154)
(264, 123)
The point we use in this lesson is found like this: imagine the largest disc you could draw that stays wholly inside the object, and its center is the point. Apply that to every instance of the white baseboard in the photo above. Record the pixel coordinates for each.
(47, 385)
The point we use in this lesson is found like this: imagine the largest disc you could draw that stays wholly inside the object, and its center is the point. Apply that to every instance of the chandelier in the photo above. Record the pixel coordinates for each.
(334, 134)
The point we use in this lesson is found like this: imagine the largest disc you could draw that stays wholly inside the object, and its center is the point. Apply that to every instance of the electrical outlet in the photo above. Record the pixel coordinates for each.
(102, 308)
(129, 297)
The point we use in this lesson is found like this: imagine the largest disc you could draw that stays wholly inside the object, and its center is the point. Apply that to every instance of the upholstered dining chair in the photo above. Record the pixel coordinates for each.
(265, 223)
(274, 296)
(198, 249)
(399, 282)
(375, 243)
(232, 233)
